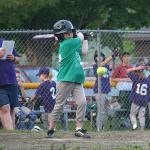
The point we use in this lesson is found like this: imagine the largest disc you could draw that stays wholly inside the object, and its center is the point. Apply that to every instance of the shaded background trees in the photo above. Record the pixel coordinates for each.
(85, 14)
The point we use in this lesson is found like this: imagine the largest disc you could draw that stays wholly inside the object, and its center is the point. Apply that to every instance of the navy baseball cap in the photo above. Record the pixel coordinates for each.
(43, 70)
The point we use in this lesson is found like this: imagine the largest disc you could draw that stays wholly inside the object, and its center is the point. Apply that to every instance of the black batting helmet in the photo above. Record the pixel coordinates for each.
(62, 26)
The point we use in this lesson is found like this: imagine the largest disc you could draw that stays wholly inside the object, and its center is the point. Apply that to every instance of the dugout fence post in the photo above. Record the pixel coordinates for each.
(99, 82)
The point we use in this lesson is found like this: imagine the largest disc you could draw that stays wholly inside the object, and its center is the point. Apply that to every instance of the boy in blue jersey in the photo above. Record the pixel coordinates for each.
(140, 95)
(105, 86)
(46, 91)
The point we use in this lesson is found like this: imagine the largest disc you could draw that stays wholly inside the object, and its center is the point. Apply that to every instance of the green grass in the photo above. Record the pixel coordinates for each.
(1, 148)
(78, 148)
(63, 147)
(72, 126)
(87, 125)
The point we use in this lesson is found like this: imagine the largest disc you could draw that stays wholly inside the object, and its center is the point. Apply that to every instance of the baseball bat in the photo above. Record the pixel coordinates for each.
(44, 36)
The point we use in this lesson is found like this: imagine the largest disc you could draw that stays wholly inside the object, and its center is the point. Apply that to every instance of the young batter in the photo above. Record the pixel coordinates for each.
(71, 75)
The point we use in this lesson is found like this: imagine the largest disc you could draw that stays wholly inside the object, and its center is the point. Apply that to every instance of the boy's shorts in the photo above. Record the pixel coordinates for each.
(9, 95)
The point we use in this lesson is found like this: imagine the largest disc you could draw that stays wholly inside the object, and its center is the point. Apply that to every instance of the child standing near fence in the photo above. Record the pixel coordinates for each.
(139, 96)
(46, 92)
(105, 86)
(147, 74)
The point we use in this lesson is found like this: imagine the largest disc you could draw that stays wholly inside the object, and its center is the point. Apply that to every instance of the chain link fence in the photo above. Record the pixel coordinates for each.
(40, 52)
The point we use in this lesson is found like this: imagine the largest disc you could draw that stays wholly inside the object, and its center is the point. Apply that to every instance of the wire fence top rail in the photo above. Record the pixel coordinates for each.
(51, 31)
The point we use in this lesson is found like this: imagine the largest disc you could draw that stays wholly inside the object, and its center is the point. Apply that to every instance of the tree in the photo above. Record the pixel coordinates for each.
(16, 14)
(85, 14)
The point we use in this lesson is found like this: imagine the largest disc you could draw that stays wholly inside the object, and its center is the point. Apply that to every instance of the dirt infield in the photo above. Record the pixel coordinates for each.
(65, 140)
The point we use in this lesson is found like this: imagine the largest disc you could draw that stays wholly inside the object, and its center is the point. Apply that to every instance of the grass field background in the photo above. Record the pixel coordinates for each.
(65, 140)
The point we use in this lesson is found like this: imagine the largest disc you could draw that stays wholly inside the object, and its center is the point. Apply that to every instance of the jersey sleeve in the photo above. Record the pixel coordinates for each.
(133, 76)
(40, 90)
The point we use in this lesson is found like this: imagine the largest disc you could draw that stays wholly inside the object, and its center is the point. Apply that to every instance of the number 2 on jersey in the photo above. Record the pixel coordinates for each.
(52, 89)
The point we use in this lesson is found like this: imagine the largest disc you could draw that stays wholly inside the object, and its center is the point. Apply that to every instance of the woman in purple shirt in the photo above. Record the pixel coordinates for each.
(8, 88)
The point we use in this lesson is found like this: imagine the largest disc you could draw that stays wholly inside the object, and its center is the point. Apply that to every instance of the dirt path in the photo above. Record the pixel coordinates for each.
(33, 141)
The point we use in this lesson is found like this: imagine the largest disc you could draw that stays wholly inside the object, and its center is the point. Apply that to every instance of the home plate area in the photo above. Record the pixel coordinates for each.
(16, 140)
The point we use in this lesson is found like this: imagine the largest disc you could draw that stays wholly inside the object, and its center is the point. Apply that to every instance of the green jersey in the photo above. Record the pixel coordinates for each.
(70, 69)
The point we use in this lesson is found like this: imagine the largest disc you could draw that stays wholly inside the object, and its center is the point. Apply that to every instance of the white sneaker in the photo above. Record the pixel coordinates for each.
(36, 128)
(134, 126)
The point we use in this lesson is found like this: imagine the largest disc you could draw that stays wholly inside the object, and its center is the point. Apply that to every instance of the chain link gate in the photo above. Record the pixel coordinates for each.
(36, 53)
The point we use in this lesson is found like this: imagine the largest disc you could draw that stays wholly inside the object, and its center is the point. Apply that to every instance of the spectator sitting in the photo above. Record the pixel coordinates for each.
(120, 74)
(22, 112)
(47, 92)
(139, 96)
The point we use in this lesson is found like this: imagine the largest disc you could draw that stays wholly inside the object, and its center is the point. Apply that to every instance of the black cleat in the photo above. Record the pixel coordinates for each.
(83, 130)
(50, 133)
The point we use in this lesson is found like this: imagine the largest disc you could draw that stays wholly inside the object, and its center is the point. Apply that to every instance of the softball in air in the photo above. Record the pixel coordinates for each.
(101, 71)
